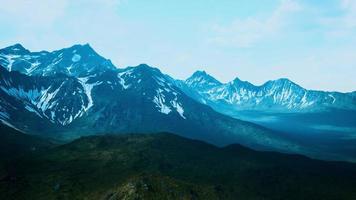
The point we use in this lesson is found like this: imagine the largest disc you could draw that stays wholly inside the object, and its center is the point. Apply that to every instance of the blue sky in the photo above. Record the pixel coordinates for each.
(312, 42)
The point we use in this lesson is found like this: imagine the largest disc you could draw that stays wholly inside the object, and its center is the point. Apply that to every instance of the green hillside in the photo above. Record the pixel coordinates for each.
(14, 144)
(166, 166)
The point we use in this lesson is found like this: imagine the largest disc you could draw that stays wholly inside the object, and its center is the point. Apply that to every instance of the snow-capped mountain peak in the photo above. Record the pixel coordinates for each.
(15, 49)
(200, 79)
(155, 87)
(282, 82)
(77, 61)
(280, 95)
(240, 83)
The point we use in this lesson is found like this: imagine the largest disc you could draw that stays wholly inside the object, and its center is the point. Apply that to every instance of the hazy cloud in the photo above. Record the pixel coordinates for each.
(249, 31)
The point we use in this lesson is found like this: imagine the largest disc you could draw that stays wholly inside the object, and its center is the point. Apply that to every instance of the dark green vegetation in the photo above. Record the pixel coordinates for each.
(166, 166)
(15, 144)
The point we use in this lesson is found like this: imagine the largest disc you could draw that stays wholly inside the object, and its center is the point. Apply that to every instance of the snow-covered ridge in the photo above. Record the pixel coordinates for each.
(64, 102)
(78, 60)
(281, 94)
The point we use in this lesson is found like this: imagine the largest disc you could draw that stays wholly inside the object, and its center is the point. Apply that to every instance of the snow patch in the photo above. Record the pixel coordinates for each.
(159, 100)
(4, 115)
(21, 94)
(46, 97)
(32, 110)
(10, 60)
(88, 89)
(33, 67)
(76, 58)
(178, 108)
(334, 99)
(121, 77)
(10, 125)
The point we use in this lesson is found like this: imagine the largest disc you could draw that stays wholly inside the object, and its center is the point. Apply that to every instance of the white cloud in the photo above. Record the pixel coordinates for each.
(344, 24)
(26, 13)
(249, 31)
(54, 24)
(128, 39)
(349, 19)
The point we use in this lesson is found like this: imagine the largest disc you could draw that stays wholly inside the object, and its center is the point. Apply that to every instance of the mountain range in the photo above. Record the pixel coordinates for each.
(75, 92)
(324, 120)
(280, 95)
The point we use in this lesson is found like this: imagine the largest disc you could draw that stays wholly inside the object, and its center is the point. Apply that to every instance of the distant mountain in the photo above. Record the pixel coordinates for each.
(166, 166)
(200, 80)
(323, 120)
(74, 92)
(281, 95)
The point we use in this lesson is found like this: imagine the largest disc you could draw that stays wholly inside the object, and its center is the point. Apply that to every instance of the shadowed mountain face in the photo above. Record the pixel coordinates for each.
(166, 166)
(93, 97)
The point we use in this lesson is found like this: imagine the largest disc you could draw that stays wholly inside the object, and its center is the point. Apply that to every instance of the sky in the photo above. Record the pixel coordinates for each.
(311, 42)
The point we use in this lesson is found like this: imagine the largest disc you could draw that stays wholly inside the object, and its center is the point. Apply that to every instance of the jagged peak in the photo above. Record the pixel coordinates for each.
(237, 82)
(82, 47)
(285, 82)
(146, 67)
(201, 75)
(16, 48)
(280, 81)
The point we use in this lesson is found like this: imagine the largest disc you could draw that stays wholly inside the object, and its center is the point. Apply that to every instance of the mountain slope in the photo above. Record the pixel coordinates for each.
(25, 101)
(166, 166)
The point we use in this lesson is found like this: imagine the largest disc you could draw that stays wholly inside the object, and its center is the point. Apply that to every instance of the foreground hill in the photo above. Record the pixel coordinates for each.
(166, 166)
(15, 144)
